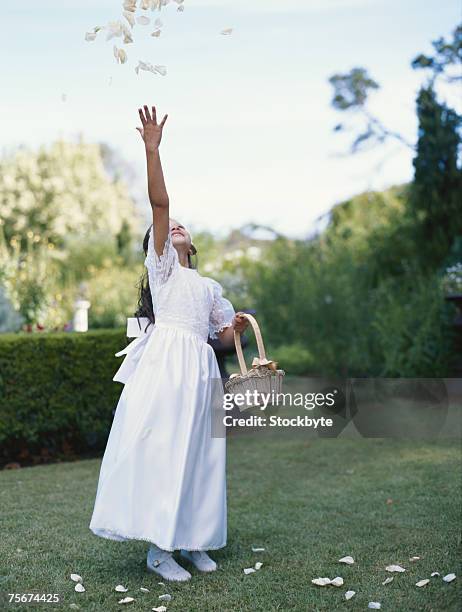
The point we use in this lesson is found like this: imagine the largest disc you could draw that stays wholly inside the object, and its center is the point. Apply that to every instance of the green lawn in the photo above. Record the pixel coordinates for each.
(308, 502)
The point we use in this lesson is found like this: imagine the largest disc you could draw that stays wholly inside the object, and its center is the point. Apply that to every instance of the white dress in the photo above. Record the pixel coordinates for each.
(162, 477)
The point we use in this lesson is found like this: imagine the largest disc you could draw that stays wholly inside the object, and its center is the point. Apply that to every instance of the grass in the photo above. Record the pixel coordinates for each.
(308, 502)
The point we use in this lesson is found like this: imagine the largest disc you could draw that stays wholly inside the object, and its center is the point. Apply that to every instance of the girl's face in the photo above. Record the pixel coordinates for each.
(180, 236)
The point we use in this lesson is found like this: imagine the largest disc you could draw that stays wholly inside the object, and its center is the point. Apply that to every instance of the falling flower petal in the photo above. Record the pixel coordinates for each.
(126, 600)
(150, 68)
(90, 36)
(321, 581)
(129, 17)
(143, 20)
(121, 589)
(374, 605)
(160, 609)
(338, 581)
(387, 580)
(254, 549)
(249, 570)
(422, 583)
(120, 55)
(144, 590)
(156, 33)
(449, 577)
(180, 8)
(350, 594)
(115, 29)
(434, 574)
(165, 597)
(130, 5)
(227, 31)
(395, 568)
(348, 560)
(145, 4)
(76, 578)
(414, 558)
(258, 565)
(79, 588)
(162, 70)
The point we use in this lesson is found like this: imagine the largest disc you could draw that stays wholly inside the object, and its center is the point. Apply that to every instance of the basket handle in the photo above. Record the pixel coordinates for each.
(258, 337)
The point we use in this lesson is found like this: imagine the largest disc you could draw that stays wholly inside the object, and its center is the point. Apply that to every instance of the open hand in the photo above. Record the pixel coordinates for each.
(151, 132)
(240, 323)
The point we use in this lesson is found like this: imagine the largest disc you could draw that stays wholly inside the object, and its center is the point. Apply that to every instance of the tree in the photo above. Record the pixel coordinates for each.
(437, 186)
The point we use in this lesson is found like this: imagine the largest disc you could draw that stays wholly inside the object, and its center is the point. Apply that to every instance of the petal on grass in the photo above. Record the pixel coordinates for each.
(166, 597)
(395, 568)
(321, 581)
(434, 574)
(249, 570)
(422, 583)
(350, 594)
(121, 589)
(255, 549)
(449, 577)
(76, 578)
(414, 558)
(126, 600)
(144, 590)
(387, 580)
(374, 605)
(337, 582)
(348, 560)
(160, 609)
(258, 565)
(79, 588)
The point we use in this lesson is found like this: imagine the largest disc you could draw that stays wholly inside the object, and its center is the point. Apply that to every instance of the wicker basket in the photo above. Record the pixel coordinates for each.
(263, 377)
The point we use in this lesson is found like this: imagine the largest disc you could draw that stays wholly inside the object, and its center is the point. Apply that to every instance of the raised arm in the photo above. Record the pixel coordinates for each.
(151, 133)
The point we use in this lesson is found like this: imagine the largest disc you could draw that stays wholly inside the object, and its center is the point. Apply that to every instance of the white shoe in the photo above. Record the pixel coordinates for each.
(200, 559)
(162, 562)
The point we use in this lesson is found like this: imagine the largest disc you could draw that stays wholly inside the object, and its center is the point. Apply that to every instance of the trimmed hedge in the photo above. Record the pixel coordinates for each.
(57, 395)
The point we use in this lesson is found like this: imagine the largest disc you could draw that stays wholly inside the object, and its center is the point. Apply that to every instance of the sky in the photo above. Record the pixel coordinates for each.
(249, 137)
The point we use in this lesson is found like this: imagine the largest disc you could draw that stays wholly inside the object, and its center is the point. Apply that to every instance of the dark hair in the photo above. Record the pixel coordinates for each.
(145, 308)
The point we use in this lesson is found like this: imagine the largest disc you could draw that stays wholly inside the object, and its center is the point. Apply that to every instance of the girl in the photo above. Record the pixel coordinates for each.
(162, 478)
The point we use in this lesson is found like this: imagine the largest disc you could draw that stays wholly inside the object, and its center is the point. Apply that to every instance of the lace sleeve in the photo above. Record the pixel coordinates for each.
(222, 313)
(160, 268)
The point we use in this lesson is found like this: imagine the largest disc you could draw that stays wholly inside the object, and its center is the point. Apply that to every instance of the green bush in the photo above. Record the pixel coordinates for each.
(57, 392)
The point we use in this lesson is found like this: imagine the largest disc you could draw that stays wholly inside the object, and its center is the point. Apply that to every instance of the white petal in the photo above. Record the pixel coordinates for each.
(128, 39)
(156, 33)
(254, 549)
(395, 568)
(115, 29)
(74, 606)
(162, 70)
(374, 605)
(144, 590)
(165, 597)
(129, 17)
(122, 56)
(434, 574)
(388, 580)
(449, 577)
(143, 20)
(227, 31)
(130, 5)
(321, 581)
(348, 560)
(145, 4)
(160, 609)
(350, 594)
(126, 600)
(121, 589)
(422, 583)
(90, 36)
(79, 588)
(161, 583)
(249, 570)
(180, 8)
(414, 558)
(76, 578)
(338, 581)
(258, 565)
